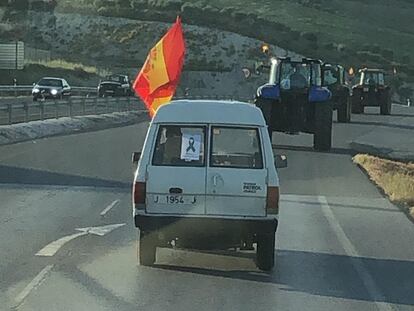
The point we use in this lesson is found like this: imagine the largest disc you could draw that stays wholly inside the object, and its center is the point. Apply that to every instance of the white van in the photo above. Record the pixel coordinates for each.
(206, 179)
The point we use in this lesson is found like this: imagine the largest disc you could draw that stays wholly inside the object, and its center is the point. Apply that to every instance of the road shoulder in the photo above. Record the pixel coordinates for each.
(16, 133)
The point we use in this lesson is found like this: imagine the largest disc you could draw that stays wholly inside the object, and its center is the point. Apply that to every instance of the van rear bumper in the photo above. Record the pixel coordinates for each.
(206, 227)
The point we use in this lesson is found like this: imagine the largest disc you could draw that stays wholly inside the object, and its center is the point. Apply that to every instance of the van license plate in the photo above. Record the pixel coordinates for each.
(175, 199)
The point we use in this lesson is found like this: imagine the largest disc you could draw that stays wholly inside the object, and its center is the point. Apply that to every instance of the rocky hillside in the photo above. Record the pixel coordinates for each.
(118, 33)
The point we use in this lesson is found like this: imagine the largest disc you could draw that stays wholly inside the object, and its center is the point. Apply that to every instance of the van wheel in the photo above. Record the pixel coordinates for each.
(322, 137)
(265, 254)
(147, 248)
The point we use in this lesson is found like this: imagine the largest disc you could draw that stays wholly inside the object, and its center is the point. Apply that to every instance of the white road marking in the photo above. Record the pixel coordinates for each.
(374, 291)
(52, 248)
(32, 285)
(109, 207)
(101, 231)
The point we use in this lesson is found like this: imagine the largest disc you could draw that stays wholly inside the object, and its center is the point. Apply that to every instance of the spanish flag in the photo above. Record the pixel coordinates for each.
(158, 78)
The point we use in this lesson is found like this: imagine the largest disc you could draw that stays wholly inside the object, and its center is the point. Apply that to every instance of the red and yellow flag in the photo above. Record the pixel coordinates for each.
(157, 81)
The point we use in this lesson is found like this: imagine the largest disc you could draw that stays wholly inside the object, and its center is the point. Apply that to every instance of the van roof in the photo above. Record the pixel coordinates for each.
(209, 111)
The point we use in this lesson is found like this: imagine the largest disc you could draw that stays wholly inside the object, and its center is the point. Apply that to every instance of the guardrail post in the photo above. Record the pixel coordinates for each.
(107, 104)
(42, 111)
(26, 112)
(56, 110)
(83, 106)
(95, 105)
(70, 107)
(118, 106)
(9, 110)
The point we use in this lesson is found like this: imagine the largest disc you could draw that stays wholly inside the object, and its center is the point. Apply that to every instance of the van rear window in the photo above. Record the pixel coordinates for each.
(236, 148)
(179, 146)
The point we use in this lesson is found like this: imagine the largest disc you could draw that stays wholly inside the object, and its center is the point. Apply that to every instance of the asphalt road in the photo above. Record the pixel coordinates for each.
(340, 245)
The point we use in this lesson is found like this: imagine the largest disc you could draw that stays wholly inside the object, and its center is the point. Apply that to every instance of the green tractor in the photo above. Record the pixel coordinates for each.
(371, 91)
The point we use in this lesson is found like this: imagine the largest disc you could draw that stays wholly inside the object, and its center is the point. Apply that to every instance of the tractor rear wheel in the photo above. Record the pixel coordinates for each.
(385, 108)
(356, 102)
(265, 105)
(344, 111)
(322, 137)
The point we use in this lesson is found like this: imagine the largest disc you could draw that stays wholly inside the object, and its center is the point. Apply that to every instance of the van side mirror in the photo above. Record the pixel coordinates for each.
(135, 157)
(280, 161)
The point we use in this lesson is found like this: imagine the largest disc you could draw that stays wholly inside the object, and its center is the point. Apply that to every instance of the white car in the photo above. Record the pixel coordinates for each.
(206, 179)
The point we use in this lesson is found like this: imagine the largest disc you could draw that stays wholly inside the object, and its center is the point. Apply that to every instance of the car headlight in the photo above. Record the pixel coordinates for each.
(35, 90)
(53, 92)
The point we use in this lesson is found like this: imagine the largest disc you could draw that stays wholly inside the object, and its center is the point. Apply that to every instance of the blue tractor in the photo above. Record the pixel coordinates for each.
(294, 100)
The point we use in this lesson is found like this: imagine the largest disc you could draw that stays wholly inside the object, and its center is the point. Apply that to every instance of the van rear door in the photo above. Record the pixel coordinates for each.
(236, 176)
(176, 175)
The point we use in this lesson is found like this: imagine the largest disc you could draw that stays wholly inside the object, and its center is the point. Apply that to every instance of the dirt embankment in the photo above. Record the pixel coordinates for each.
(396, 179)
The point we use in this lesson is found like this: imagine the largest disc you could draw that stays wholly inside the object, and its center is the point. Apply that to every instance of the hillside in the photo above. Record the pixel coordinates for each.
(354, 33)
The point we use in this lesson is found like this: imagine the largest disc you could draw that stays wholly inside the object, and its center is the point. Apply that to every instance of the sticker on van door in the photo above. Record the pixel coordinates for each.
(190, 147)
(251, 187)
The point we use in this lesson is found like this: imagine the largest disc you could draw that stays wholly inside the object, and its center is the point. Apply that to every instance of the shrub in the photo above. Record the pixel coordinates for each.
(388, 54)
(231, 51)
(341, 47)
(371, 57)
(406, 59)
(20, 4)
(170, 5)
(310, 36)
(80, 72)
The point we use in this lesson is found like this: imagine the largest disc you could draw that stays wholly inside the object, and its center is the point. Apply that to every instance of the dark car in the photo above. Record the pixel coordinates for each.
(294, 100)
(334, 80)
(371, 90)
(51, 88)
(115, 85)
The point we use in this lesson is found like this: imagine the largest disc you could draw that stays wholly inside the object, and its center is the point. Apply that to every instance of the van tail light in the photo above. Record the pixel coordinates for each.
(139, 192)
(272, 200)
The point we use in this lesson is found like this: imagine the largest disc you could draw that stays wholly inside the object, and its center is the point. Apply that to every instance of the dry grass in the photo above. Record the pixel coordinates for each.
(62, 64)
(395, 178)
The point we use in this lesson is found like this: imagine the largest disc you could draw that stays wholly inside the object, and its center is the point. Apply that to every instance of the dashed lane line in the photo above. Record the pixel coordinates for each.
(109, 207)
(38, 279)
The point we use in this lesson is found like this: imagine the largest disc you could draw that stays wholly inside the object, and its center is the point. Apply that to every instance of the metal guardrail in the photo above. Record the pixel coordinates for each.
(42, 110)
(26, 90)
(26, 110)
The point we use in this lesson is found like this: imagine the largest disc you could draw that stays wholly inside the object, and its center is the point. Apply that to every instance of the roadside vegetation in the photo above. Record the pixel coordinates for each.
(34, 72)
(325, 26)
(78, 68)
(395, 178)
